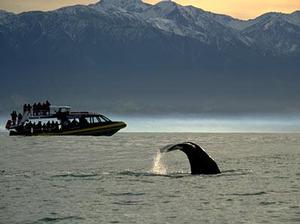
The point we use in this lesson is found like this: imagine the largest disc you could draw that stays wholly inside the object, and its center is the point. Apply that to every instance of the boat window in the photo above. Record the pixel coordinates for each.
(105, 118)
(95, 120)
(90, 119)
(98, 119)
(74, 121)
(84, 120)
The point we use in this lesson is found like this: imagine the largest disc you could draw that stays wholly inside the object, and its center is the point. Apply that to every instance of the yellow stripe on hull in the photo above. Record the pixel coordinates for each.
(95, 130)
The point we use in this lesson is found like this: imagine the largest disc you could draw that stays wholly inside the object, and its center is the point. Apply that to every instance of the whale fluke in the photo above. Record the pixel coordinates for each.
(200, 161)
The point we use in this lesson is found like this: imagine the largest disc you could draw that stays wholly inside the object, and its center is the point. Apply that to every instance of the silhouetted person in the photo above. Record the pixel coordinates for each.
(44, 127)
(34, 109)
(74, 123)
(14, 117)
(8, 124)
(39, 126)
(48, 126)
(44, 109)
(56, 127)
(83, 122)
(25, 108)
(29, 127)
(48, 104)
(52, 125)
(39, 108)
(29, 107)
(20, 117)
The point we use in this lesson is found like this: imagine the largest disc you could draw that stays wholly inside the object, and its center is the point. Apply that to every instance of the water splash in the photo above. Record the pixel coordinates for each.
(158, 165)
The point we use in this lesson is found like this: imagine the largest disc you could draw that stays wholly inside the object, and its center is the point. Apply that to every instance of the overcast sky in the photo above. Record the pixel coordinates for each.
(243, 9)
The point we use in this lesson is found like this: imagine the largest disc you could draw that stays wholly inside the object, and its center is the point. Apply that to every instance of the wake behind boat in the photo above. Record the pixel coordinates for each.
(43, 119)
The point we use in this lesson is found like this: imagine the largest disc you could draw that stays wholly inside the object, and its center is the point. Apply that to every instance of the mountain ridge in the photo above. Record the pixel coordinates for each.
(220, 14)
(146, 53)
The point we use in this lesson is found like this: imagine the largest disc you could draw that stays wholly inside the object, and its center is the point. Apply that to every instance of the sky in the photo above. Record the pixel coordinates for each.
(242, 9)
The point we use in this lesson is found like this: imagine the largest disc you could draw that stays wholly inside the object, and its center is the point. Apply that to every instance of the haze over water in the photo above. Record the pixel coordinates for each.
(112, 180)
(204, 124)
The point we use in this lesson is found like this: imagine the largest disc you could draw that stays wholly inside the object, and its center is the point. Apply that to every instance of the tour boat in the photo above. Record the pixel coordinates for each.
(60, 120)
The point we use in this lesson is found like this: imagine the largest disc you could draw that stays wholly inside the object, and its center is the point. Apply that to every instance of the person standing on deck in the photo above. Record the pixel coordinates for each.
(29, 107)
(20, 117)
(44, 109)
(34, 109)
(14, 117)
(25, 109)
(48, 104)
(39, 108)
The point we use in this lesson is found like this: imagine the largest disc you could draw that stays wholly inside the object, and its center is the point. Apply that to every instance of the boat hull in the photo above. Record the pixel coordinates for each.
(100, 130)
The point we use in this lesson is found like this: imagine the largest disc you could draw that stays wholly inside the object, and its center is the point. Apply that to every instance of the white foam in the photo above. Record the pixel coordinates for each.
(158, 165)
(2, 124)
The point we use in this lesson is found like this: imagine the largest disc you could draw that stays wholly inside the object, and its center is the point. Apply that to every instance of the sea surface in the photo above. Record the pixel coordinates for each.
(123, 179)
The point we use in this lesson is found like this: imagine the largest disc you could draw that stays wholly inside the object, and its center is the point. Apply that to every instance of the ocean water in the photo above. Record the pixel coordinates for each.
(123, 179)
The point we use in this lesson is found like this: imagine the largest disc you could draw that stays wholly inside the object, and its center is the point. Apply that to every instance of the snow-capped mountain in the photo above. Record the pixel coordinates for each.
(4, 15)
(193, 22)
(216, 30)
(140, 47)
(273, 33)
(123, 31)
(128, 5)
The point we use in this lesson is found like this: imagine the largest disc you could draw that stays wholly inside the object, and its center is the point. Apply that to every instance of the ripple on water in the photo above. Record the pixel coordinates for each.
(267, 203)
(235, 172)
(127, 194)
(250, 194)
(78, 175)
(137, 174)
(130, 202)
(58, 219)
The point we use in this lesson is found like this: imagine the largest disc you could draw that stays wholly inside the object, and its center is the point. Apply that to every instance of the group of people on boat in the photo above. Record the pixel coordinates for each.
(41, 128)
(37, 108)
(54, 126)
(16, 118)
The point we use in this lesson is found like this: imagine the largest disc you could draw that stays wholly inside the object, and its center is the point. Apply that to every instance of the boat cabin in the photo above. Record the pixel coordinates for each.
(85, 119)
(59, 109)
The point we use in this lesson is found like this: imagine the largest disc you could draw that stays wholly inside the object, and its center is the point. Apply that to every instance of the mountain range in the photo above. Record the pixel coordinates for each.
(131, 57)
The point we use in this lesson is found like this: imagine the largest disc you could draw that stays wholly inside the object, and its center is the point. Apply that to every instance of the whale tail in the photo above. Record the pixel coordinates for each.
(200, 161)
